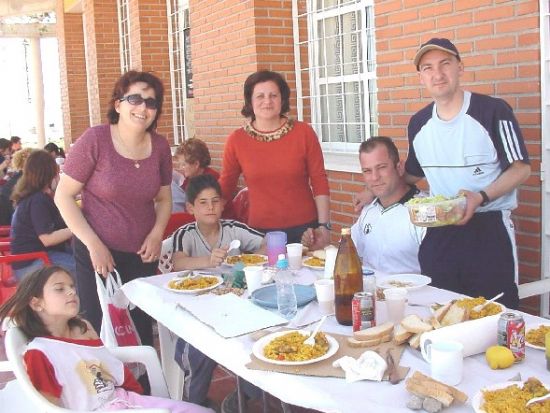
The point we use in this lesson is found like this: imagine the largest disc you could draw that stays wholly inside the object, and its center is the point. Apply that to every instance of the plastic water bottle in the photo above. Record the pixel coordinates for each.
(286, 296)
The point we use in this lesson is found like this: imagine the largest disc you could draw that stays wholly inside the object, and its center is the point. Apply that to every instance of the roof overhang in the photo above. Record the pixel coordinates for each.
(9, 8)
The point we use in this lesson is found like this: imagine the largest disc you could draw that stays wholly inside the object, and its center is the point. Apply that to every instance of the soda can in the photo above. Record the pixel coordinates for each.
(363, 310)
(511, 334)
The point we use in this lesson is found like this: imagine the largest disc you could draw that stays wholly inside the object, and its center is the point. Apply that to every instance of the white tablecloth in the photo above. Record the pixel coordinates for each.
(324, 394)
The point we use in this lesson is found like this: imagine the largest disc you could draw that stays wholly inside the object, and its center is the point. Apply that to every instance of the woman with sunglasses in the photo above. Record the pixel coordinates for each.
(123, 170)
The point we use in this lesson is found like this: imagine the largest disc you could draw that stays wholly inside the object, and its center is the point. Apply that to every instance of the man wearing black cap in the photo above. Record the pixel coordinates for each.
(471, 144)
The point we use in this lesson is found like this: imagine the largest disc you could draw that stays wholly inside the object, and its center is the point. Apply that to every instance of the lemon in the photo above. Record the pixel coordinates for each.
(499, 357)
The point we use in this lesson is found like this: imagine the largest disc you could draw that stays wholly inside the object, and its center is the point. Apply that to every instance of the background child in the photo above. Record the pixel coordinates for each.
(192, 158)
(204, 243)
(66, 361)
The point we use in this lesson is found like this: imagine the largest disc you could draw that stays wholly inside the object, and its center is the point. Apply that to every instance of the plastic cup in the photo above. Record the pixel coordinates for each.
(330, 261)
(324, 289)
(253, 275)
(396, 301)
(446, 360)
(294, 254)
(275, 244)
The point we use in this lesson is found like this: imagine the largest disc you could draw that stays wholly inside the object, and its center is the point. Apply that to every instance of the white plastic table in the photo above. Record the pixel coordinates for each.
(326, 394)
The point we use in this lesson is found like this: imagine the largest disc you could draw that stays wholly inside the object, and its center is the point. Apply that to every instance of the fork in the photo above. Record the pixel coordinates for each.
(311, 339)
(537, 399)
(480, 307)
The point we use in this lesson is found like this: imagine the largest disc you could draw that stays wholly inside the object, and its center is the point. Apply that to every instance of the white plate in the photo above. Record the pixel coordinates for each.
(198, 290)
(478, 400)
(532, 327)
(258, 349)
(416, 281)
(313, 267)
(264, 261)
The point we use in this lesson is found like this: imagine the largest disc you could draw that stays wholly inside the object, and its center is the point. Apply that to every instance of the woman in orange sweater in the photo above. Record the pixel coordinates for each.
(281, 161)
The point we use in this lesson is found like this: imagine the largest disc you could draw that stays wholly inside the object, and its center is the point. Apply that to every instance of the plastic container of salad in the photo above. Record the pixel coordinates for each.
(436, 211)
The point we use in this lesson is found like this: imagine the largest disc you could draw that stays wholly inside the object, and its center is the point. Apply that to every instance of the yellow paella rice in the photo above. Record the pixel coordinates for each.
(192, 283)
(291, 347)
(512, 399)
(315, 262)
(536, 336)
(246, 259)
(489, 309)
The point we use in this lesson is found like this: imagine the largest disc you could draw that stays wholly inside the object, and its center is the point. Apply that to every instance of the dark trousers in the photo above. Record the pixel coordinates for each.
(130, 267)
(476, 259)
(198, 369)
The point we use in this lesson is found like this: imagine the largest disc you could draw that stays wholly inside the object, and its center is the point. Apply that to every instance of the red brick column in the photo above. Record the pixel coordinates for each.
(72, 67)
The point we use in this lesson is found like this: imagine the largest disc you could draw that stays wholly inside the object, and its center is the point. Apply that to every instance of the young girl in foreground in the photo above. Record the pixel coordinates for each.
(66, 361)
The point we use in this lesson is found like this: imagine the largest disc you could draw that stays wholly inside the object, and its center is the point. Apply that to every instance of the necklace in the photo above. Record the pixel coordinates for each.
(121, 141)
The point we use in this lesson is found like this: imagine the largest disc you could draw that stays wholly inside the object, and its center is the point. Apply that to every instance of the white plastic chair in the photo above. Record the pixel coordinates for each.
(165, 261)
(16, 345)
(534, 288)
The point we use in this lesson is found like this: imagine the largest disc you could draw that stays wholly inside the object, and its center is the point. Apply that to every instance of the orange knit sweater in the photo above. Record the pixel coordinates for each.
(283, 176)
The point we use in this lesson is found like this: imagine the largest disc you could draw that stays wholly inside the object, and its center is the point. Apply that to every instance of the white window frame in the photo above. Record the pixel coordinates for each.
(178, 17)
(545, 144)
(340, 156)
(123, 9)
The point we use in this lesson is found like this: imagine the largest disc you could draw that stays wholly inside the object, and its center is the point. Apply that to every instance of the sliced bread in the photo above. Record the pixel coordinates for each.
(400, 335)
(414, 324)
(414, 341)
(374, 332)
(365, 343)
(441, 311)
(456, 314)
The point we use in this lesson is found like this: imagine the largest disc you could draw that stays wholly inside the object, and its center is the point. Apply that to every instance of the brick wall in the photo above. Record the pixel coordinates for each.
(499, 45)
(72, 67)
(149, 50)
(223, 49)
(102, 54)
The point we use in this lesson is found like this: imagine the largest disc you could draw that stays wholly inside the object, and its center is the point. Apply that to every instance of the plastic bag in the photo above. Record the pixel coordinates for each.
(117, 326)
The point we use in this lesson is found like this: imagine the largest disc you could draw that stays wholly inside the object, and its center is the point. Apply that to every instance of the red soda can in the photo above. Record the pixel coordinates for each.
(511, 334)
(363, 310)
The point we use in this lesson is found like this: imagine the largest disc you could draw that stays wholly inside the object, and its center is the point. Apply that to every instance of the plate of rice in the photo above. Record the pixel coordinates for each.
(511, 396)
(246, 259)
(287, 348)
(535, 334)
(193, 285)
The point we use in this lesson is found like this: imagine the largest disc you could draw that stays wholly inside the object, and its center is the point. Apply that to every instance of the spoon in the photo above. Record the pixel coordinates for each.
(537, 399)
(311, 339)
(479, 307)
(234, 245)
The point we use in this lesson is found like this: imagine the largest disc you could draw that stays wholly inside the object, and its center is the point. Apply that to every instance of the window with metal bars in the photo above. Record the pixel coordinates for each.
(124, 34)
(336, 71)
(181, 73)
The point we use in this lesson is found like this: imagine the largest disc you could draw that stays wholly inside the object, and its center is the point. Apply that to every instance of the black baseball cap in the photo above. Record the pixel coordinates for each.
(445, 45)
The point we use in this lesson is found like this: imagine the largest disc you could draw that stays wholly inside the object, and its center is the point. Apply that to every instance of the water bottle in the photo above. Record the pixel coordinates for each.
(286, 296)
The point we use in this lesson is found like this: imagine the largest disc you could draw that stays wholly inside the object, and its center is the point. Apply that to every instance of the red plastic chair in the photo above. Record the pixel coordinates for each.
(177, 219)
(5, 231)
(8, 282)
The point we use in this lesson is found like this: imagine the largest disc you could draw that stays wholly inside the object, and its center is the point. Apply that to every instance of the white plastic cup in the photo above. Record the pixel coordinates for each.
(446, 360)
(253, 275)
(330, 260)
(294, 254)
(324, 289)
(396, 301)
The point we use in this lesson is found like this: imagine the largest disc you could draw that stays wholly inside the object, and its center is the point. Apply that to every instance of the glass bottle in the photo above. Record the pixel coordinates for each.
(286, 296)
(348, 277)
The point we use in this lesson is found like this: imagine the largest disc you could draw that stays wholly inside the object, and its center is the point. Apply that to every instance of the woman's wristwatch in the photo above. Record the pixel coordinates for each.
(327, 225)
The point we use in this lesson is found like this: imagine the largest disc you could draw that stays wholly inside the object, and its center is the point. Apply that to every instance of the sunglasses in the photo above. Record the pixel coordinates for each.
(136, 100)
